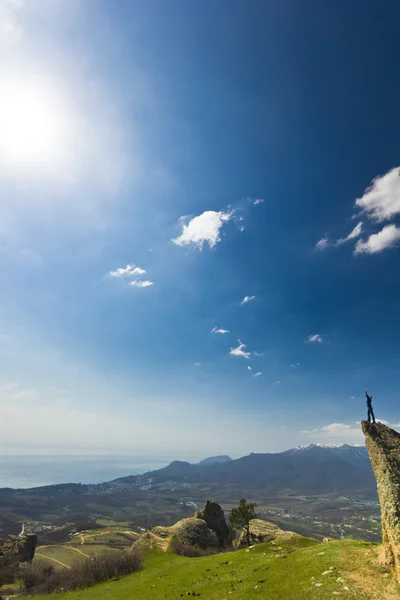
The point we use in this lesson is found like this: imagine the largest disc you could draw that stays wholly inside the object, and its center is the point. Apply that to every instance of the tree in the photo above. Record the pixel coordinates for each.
(242, 515)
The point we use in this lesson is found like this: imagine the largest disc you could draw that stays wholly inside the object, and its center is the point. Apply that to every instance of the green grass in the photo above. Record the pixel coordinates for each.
(285, 570)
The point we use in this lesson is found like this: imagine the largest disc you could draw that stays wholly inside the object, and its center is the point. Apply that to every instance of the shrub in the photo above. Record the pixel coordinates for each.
(191, 551)
(42, 579)
(7, 573)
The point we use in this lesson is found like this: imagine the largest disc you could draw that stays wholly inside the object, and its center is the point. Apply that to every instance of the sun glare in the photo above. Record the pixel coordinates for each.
(34, 127)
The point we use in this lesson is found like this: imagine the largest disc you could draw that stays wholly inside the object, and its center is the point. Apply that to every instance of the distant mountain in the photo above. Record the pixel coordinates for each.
(312, 470)
(215, 459)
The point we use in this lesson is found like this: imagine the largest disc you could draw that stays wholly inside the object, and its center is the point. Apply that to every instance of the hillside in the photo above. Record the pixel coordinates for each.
(319, 490)
(299, 569)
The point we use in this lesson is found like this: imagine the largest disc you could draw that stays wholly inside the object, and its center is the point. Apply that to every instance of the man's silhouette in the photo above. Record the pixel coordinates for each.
(370, 410)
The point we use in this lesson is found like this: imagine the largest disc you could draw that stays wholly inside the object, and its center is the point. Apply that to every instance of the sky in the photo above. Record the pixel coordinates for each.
(199, 224)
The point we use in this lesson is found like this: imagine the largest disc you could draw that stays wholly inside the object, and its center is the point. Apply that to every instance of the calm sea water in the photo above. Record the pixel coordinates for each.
(33, 471)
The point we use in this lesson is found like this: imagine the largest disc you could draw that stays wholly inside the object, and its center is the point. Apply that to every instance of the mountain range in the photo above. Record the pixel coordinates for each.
(316, 469)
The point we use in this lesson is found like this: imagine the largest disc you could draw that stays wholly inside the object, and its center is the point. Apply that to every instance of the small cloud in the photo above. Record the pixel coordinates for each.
(315, 339)
(242, 228)
(250, 368)
(356, 232)
(239, 351)
(257, 374)
(381, 200)
(247, 299)
(219, 330)
(128, 271)
(322, 244)
(197, 364)
(295, 365)
(205, 228)
(258, 353)
(388, 237)
(277, 382)
(141, 284)
(258, 201)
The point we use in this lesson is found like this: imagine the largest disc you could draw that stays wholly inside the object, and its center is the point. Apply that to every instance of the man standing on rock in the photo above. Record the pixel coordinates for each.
(370, 410)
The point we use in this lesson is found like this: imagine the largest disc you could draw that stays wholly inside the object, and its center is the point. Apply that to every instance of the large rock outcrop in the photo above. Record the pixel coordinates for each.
(213, 515)
(190, 532)
(383, 445)
(17, 549)
(263, 531)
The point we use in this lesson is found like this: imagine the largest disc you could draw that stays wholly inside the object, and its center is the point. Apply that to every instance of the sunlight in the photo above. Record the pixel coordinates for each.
(35, 124)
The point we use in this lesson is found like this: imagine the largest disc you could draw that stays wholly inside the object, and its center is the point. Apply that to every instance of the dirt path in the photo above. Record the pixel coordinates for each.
(84, 536)
(76, 550)
(54, 559)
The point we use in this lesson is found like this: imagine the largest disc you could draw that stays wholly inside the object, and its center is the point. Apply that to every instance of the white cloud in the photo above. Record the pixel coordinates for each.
(356, 232)
(388, 237)
(315, 339)
(258, 353)
(142, 284)
(128, 271)
(258, 201)
(257, 374)
(239, 351)
(322, 244)
(250, 368)
(295, 365)
(335, 432)
(277, 382)
(247, 299)
(219, 330)
(382, 199)
(205, 228)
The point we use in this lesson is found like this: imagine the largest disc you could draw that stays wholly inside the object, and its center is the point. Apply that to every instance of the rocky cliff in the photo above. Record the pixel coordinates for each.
(17, 549)
(383, 445)
(213, 515)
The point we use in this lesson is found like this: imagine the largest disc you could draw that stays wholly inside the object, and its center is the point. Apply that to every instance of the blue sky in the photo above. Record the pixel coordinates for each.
(161, 162)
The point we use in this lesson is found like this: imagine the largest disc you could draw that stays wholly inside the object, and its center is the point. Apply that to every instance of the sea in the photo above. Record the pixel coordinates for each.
(34, 471)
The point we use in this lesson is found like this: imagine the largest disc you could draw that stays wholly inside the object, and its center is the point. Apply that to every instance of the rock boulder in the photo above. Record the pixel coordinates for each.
(263, 531)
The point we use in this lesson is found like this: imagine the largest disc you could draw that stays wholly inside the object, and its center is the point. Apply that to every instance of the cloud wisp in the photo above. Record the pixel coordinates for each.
(257, 374)
(128, 271)
(314, 338)
(141, 284)
(355, 233)
(325, 243)
(203, 229)
(322, 244)
(247, 299)
(219, 330)
(240, 351)
(132, 271)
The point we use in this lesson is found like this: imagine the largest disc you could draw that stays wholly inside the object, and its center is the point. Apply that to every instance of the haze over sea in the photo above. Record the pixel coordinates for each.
(33, 471)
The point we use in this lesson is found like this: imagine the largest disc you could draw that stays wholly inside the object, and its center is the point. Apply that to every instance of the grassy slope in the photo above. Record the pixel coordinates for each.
(288, 570)
(86, 545)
